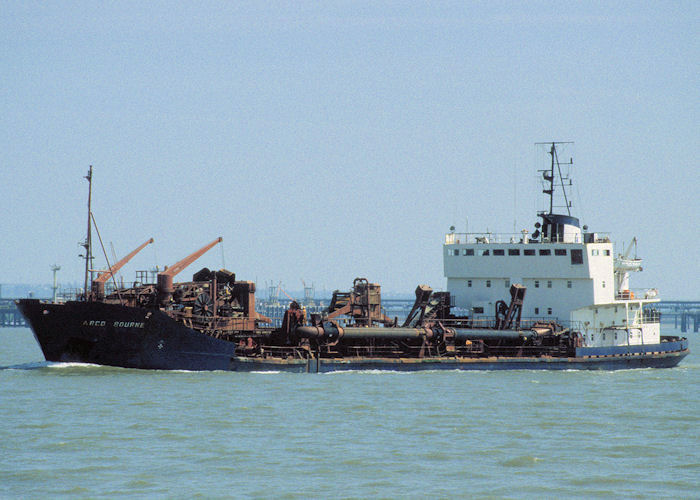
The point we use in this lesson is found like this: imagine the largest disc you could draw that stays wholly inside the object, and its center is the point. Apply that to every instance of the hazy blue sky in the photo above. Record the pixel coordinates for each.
(329, 140)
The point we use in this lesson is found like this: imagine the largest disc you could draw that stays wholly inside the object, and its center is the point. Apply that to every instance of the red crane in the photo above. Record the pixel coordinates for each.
(165, 278)
(98, 284)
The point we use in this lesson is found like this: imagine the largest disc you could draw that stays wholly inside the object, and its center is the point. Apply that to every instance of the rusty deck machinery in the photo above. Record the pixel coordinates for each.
(363, 303)
(366, 331)
(507, 315)
(430, 329)
(213, 302)
(165, 278)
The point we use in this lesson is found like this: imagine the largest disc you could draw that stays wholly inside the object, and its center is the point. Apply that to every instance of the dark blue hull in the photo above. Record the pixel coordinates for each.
(113, 335)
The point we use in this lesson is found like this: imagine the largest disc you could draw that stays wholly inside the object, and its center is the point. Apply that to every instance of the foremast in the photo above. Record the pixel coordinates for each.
(88, 238)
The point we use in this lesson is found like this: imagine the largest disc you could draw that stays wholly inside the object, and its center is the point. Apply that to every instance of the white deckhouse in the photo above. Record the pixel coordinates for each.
(572, 276)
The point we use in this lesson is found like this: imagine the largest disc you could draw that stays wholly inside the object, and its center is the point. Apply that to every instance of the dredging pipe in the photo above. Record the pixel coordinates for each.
(483, 333)
(332, 332)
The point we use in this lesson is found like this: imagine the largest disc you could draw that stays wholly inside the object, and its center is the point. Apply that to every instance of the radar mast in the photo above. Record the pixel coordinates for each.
(553, 177)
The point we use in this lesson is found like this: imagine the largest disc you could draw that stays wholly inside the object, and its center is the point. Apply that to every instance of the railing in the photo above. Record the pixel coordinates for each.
(489, 322)
(468, 238)
(522, 237)
(66, 294)
(637, 294)
(651, 316)
(275, 311)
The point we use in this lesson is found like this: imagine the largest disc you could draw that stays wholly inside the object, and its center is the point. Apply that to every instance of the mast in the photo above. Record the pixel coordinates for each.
(88, 238)
(55, 268)
(561, 178)
(553, 154)
(550, 176)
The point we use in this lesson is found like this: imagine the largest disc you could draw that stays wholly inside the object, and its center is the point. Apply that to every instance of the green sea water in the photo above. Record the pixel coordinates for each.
(80, 431)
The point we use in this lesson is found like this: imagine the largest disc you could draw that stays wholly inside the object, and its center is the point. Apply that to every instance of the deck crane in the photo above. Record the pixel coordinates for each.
(624, 265)
(98, 284)
(165, 278)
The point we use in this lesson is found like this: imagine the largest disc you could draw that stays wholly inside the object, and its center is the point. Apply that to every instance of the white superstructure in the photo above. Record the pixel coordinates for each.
(571, 276)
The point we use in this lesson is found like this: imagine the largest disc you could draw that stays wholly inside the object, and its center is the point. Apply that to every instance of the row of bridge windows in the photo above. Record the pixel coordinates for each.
(576, 254)
(511, 251)
(549, 283)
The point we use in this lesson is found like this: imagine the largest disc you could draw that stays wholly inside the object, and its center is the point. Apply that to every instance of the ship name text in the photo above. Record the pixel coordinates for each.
(116, 324)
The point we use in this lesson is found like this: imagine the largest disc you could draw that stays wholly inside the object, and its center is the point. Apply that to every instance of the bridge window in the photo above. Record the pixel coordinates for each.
(484, 252)
(478, 310)
(606, 252)
(499, 252)
(560, 251)
(594, 251)
(569, 284)
(455, 252)
(488, 283)
(529, 251)
(545, 251)
(469, 283)
(537, 310)
(513, 251)
(603, 284)
(576, 256)
(537, 284)
(549, 284)
(468, 251)
(549, 310)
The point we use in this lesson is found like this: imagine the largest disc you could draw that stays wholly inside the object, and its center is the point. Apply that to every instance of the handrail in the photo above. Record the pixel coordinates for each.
(637, 295)
(511, 238)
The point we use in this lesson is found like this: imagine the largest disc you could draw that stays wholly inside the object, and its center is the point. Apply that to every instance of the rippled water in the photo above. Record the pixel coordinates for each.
(89, 431)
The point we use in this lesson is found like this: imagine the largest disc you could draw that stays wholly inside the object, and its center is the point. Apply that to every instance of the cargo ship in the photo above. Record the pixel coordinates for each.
(579, 312)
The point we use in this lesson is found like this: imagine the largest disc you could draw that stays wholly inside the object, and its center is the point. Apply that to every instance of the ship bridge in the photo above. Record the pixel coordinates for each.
(571, 274)
(560, 275)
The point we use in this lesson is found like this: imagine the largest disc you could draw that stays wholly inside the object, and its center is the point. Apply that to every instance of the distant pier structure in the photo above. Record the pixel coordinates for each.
(10, 315)
(684, 313)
